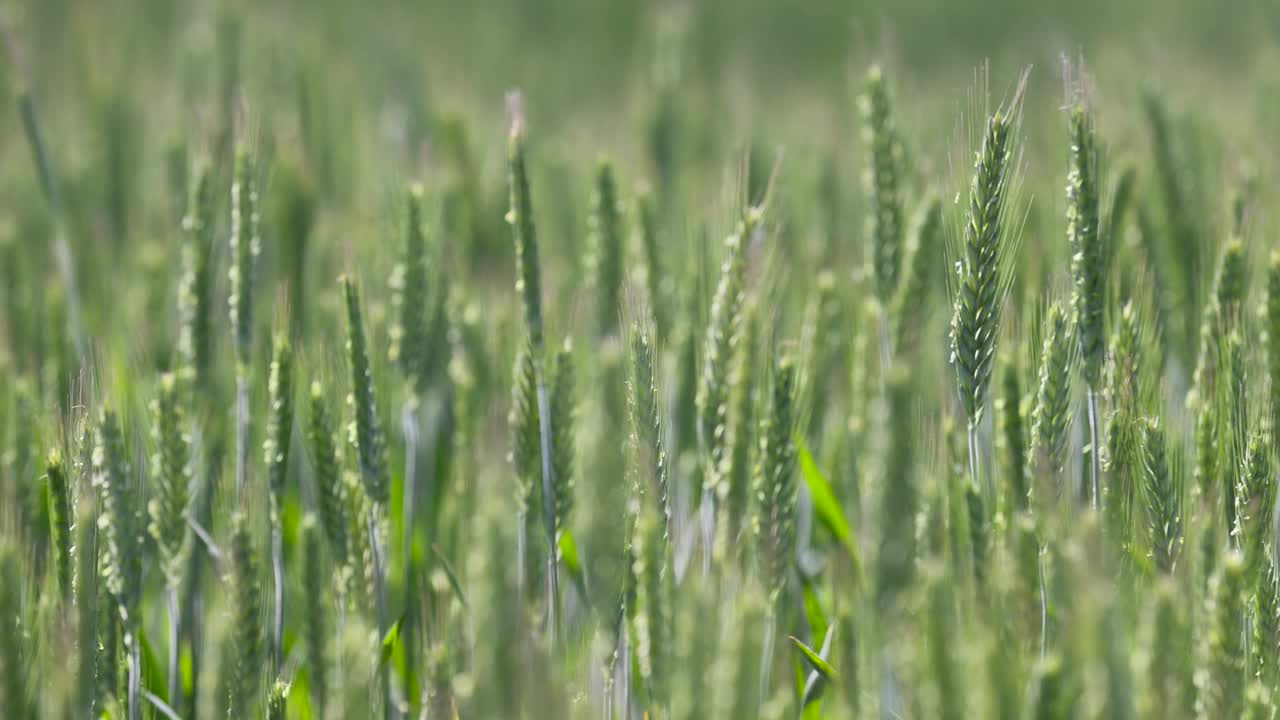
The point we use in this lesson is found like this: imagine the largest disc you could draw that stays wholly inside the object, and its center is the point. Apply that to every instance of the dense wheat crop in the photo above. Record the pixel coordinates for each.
(667, 360)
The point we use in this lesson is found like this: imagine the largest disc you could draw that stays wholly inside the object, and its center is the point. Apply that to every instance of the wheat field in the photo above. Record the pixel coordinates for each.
(667, 361)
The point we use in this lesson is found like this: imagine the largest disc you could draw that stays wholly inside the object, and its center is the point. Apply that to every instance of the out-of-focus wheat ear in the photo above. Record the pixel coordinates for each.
(316, 586)
(365, 430)
(408, 332)
(742, 428)
(15, 699)
(884, 168)
(526, 455)
(712, 398)
(244, 257)
(277, 699)
(195, 287)
(1266, 622)
(528, 273)
(563, 412)
(651, 626)
(1220, 677)
(1052, 695)
(276, 457)
(171, 471)
(326, 469)
(59, 524)
(1162, 491)
(1269, 317)
(1220, 315)
(646, 422)
(245, 246)
(122, 526)
(170, 505)
(1014, 435)
(1051, 415)
(606, 261)
(775, 480)
(647, 234)
(896, 554)
(1255, 505)
(86, 594)
(247, 632)
(924, 247)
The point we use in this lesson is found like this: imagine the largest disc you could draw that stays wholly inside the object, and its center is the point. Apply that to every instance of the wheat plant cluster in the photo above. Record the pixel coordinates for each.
(456, 408)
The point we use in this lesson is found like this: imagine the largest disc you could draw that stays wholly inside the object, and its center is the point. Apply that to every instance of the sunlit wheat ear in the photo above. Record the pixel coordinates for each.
(326, 470)
(365, 430)
(984, 256)
(171, 471)
(1163, 499)
(884, 168)
(775, 485)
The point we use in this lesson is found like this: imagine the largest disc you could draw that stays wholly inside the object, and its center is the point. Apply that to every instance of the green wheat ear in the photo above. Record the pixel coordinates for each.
(528, 274)
(522, 420)
(409, 340)
(245, 245)
(59, 524)
(651, 626)
(922, 270)
(775, 485)
(562, 437)
(315, 617)
(1051, 416)
(1255, 504)
(111, 476)
(606, 260)
(1013, 431)
(247, 614)
(279, 421)
(1270, 319)
(647, 440)
(712, 398)
(326, 469)
(1220, 678)
(1162, 490)
(171, 468)
(882, 179)
(277, 699)
(1088, 254)
(195, 288)
(983, 273)
(365, 431)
